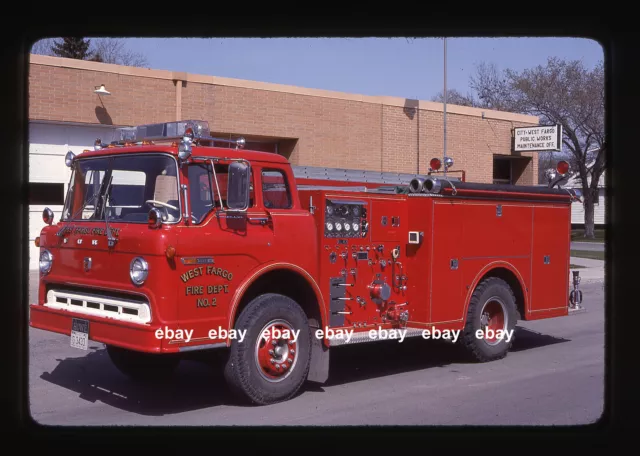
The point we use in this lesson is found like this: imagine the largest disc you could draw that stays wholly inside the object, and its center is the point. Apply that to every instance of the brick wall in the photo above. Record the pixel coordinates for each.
(66, 94)
(315, 128)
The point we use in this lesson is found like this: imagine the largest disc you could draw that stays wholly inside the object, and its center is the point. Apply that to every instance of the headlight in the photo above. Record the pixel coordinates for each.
(46, 260)
(138, 270)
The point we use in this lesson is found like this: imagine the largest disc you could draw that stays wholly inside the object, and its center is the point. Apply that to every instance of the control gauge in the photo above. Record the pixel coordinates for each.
(356, 227)
(355, 211)
(330, 210)
(347, 226)
(339, 226)
(344, 210)
(329, 226)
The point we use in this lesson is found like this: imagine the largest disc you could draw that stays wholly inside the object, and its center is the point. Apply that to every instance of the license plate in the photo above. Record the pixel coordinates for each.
(80, 334)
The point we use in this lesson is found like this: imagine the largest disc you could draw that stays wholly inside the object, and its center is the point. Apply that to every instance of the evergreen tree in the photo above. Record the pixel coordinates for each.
(72, 48)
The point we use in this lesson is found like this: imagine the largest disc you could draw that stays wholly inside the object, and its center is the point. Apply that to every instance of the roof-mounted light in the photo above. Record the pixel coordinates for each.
(435, 164)
(165, 130)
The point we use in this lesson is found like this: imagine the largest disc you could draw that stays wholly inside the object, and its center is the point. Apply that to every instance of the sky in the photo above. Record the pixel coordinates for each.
(399, 67)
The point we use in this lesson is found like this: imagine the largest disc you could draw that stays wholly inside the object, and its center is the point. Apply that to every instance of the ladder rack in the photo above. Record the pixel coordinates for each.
(354, 175)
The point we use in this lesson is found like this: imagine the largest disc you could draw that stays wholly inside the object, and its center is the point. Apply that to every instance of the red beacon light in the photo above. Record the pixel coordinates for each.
(435, 164)
(562, 167)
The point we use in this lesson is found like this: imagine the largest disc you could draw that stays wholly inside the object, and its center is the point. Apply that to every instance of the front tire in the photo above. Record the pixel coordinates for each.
(269, 369)
(492, 306)
(143, 366)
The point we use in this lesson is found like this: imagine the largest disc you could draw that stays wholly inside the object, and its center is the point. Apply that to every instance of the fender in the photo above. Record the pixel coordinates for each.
(483, 271)
(264, 268)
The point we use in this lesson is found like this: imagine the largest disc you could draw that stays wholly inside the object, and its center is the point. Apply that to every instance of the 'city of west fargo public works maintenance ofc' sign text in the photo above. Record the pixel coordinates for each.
(542, 138)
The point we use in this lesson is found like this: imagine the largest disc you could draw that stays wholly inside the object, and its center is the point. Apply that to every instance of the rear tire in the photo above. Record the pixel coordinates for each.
(492, 305)
(268, 370)
(143, 366)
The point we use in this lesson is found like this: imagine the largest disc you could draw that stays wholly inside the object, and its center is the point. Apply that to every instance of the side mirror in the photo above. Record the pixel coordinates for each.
(238, 186)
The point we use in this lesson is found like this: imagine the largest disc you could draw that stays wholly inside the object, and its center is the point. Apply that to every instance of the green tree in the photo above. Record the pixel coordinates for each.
(72, 48)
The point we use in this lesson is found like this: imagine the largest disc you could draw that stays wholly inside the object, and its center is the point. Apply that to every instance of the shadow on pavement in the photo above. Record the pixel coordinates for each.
(383, 358)
(526, 339)
(198, 383)
(194, 385)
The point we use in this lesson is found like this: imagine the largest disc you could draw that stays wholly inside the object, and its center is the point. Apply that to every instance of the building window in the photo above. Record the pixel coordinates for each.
(46, 194)
(502, 171)
(275, 191)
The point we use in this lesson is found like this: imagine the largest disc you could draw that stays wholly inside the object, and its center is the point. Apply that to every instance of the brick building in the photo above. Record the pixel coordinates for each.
(310, 127)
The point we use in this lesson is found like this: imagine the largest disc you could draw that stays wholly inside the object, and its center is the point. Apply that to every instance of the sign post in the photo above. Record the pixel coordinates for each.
(537, 139)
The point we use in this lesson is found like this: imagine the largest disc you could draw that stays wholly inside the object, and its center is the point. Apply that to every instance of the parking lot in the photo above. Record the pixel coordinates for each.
(554, 375)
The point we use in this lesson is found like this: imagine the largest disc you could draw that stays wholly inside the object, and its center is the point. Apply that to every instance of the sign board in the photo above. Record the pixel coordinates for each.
(542, 138)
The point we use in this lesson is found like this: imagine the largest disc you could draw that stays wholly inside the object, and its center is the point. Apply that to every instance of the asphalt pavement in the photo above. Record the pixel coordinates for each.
(553, 376)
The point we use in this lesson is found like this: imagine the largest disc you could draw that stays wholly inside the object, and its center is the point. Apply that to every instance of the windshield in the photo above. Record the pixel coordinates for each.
(138, 183)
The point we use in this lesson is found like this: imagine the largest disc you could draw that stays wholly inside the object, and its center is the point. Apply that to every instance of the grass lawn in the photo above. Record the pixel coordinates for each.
(575, 266)
(587, 254)
(578, 235)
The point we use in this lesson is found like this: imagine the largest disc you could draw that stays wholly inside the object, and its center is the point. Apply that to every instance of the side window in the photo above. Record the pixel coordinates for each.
(200, 202)
(275, 190)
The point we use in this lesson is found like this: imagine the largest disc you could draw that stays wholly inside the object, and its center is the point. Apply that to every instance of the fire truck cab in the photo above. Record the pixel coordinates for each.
(172, 240)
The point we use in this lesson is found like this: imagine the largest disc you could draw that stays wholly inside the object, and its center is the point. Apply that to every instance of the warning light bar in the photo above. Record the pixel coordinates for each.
(183, 132)
(161, 131)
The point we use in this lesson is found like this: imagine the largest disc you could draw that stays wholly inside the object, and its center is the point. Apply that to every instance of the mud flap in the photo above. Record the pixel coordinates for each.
(319, 365)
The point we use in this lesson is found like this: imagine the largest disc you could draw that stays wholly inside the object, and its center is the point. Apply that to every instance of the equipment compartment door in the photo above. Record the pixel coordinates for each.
(550, 258)
(446, 264)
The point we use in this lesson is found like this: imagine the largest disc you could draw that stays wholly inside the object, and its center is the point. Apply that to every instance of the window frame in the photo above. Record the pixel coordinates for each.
(110, 157)
(208, 167)
(286, 184)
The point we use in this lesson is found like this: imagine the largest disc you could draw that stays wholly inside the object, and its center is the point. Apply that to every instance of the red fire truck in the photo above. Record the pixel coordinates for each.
(172, 240)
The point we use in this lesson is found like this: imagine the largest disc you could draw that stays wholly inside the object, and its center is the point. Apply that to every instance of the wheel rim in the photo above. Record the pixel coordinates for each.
(494, 317)
(276, 352)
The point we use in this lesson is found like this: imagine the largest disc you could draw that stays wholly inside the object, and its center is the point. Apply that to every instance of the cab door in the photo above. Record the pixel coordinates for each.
(217, 249)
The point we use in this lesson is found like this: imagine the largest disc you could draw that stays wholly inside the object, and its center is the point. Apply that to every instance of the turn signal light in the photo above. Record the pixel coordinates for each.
(562, 167)
(435, 164)
(37, 241)
(171, 252)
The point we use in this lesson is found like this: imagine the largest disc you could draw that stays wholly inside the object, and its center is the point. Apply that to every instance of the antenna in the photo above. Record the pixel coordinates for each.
(444, 117)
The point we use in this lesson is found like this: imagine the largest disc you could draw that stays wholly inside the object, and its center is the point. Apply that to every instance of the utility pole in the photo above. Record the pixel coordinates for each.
(445, 106)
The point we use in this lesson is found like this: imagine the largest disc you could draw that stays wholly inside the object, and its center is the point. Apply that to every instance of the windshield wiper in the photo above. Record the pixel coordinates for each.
(72, 218)
(111, 241)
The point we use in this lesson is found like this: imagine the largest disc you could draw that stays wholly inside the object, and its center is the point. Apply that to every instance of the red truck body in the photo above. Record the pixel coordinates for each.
(411, 261)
